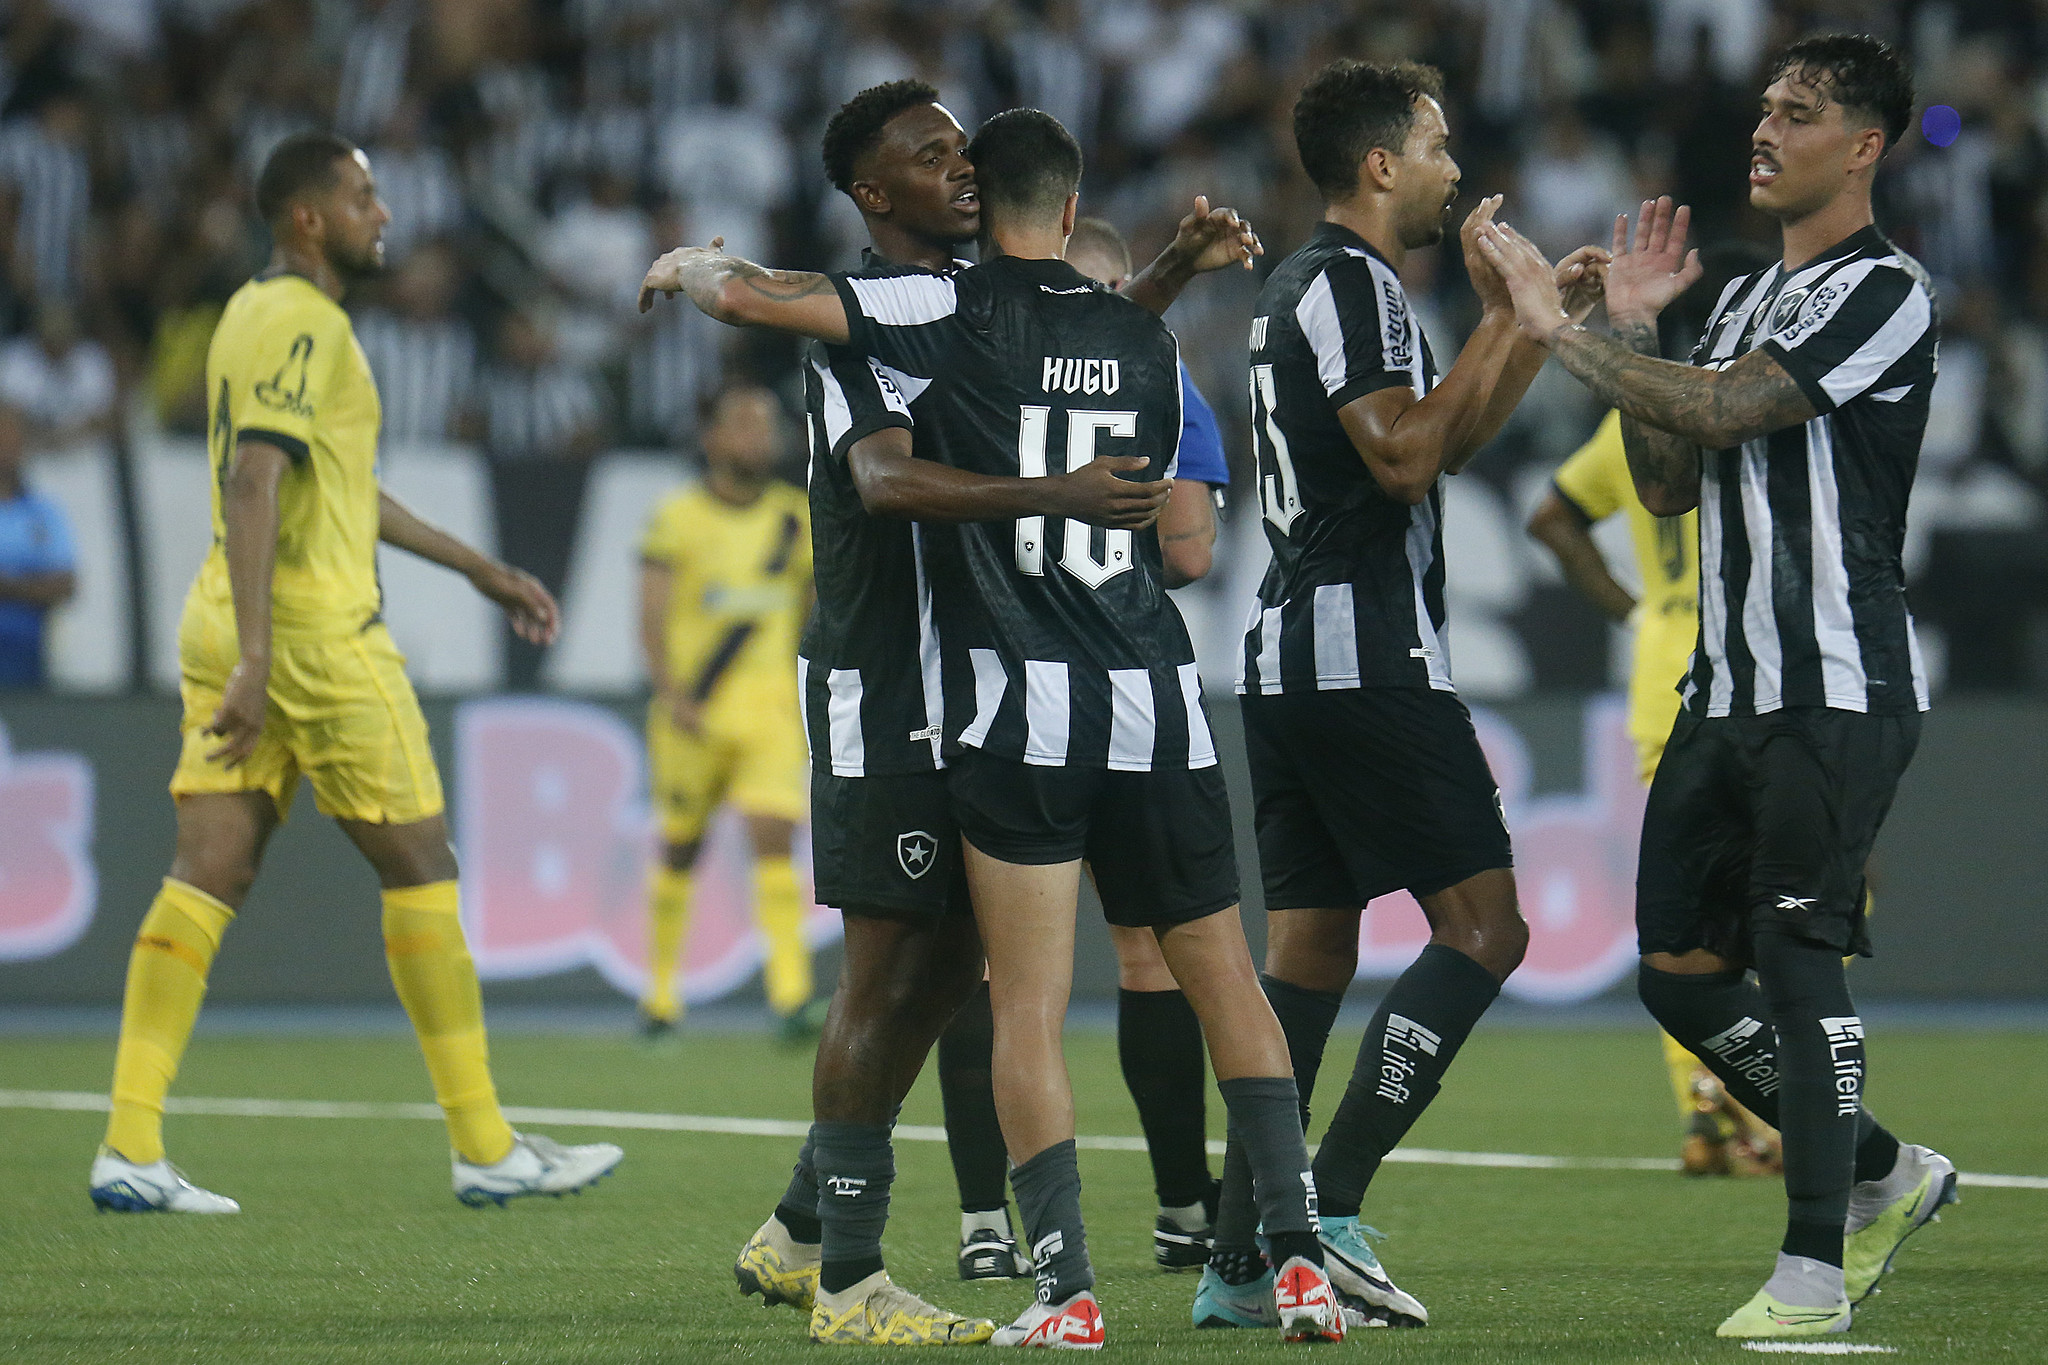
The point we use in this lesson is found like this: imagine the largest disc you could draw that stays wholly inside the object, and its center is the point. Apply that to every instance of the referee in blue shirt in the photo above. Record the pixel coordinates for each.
(1159, 1040)
(38, 566)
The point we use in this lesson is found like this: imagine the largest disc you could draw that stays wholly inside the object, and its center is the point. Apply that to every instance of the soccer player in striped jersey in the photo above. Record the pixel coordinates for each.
(1083, 734)
(1368, 775)
(885, 847)
(1795, 432)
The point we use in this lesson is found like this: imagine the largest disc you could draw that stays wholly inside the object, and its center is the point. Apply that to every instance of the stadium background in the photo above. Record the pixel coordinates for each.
(537, 155)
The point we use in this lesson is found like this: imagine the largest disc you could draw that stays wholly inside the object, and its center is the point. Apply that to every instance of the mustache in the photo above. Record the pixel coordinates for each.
(1757, 150)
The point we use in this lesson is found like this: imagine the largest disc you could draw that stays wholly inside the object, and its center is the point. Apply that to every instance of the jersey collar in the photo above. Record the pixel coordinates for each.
(1866, 238)
(873, 260)
(1336, 234)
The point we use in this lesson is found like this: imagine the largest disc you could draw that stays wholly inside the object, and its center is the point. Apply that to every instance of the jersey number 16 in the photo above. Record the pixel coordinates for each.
(1077, 555)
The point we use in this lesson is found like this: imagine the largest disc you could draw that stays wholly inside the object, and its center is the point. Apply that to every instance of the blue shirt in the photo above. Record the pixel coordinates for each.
(34, 538)
(1201, 440)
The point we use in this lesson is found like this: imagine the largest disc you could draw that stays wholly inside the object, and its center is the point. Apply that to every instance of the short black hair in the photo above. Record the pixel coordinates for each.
(1025, 161)
(1350, 107)
(857, 126)
(301, 163)
(1100, 235)
(1861, 73)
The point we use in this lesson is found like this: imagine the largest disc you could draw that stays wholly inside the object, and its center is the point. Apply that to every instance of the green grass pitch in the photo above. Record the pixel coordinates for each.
(352, 1249)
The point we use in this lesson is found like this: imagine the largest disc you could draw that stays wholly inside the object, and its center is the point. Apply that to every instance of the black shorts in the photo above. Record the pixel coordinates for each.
(1758, 821)
(1159, 843)
(1369, 790)
(887, 846)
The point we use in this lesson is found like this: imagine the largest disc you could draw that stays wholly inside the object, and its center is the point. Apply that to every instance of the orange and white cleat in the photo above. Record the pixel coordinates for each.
(1075, 1325)
(1306, 1302)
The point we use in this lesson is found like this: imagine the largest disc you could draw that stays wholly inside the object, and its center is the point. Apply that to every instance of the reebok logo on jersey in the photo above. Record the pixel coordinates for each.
(848, 1186)
(1845, 1054)
(1066, 375)
(916, 851)
(1796, 902)
(1750, 1050)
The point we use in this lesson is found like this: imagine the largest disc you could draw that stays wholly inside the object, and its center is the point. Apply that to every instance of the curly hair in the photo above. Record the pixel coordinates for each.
(857, 126)
(1350, 107)
(1862, 73)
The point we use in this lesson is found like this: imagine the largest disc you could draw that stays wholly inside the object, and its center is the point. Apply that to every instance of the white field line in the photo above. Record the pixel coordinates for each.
(1819, 1348)
(88, 1101)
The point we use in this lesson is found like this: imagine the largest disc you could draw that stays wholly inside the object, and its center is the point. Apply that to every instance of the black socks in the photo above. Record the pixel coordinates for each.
(973, 1137)
(1791, 1051)
(1306, 1017)
(1723, 1020)
(798, 1211)
(1159, 1043)
(855, 1167)
(1419, 1027)
(1821, 1063)
(1048, 1189)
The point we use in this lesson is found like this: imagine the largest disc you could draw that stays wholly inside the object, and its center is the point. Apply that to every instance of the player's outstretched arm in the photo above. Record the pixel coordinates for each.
(894, 483)
(743, 294)
(1580, 279)
(1562, 529)
(1711, 409)
(1208, 239)
(248, 506)
(527, 604)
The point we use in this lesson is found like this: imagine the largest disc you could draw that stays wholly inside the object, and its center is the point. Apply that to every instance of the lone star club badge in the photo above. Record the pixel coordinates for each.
(916, 852)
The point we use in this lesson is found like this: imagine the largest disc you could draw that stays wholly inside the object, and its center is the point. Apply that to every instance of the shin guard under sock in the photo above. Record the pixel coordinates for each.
(974, 1139)
(798, 1211)
(1048, 1190)
(1419, 1027)
(1159, 1044)
(1821, 1069)
(1723, 1019)
(436, 981)
(855, 1166)
(167, 970)
(779, 906)
(1263, 1112)
(668, 929)
(1306, 1017)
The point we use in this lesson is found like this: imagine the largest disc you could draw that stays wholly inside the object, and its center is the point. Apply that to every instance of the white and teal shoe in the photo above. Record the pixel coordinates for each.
(1884, 1213)
(1221, 1304)
(123, 1186)
(1356, 1273)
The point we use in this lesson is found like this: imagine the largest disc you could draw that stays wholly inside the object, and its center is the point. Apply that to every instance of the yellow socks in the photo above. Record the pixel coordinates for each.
(166, 982)
(1681, 1064)
(436, 981)
(668, 926)
(778, 903)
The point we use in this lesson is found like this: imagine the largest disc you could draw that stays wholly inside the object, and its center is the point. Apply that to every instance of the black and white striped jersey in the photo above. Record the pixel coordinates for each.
(868, 667)
(1355, 594)
(1060, 646)
(1802, 585)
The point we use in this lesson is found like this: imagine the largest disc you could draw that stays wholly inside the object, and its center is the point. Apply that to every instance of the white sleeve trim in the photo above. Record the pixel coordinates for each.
(905, 300)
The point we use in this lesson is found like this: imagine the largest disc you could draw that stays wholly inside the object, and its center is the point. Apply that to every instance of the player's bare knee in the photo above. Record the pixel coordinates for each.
(224, 874)
(771, 835)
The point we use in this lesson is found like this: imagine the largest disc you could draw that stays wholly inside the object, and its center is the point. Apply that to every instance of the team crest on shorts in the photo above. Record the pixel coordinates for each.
(916, 852)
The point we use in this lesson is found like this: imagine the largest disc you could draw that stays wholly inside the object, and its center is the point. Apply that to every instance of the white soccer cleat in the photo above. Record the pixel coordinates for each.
(1075, 1325)
(119, 1184)
(535, 1165)
(1358, 1275)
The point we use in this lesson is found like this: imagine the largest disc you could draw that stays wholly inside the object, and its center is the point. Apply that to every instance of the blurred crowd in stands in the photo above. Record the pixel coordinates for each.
(536, 154)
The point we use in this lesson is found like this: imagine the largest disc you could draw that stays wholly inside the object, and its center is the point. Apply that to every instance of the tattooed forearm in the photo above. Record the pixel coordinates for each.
(1713, 409)
(781, 286)
(1665, 468)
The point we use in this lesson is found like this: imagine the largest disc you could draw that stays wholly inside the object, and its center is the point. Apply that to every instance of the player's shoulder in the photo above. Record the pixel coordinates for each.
(274, 300)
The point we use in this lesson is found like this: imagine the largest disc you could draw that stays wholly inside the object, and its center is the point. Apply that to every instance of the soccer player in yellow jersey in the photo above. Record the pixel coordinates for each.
(725, 584)
(1590, 487)
(288, 670)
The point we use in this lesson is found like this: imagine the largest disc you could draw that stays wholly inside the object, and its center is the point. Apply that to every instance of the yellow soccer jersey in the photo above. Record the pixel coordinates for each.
(1596, 481)
(284, 367)
(737, 595)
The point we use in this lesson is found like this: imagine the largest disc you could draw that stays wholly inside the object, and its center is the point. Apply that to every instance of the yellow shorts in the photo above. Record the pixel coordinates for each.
(341, 711)
(752, 758)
